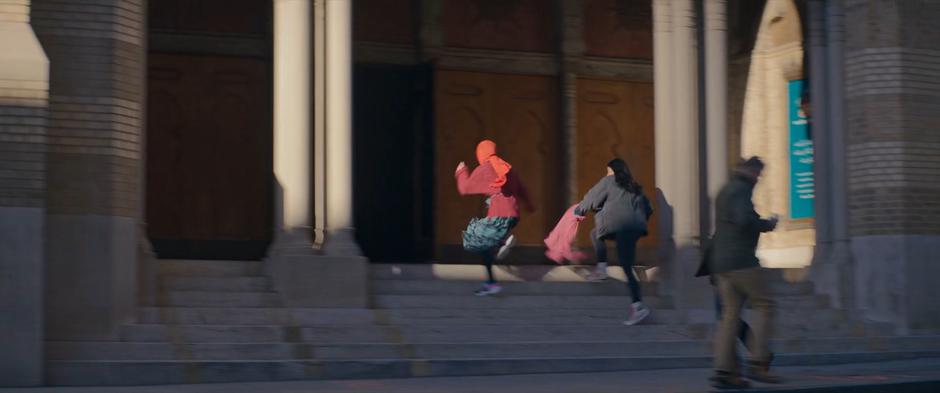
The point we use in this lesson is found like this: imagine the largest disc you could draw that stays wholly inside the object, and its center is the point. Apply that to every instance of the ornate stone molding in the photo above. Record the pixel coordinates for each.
(497, 61)
(383, 53)
(172, 42)
(606, 67)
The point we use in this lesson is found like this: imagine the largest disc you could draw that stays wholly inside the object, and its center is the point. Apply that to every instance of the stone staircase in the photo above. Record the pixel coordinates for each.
(219, 321)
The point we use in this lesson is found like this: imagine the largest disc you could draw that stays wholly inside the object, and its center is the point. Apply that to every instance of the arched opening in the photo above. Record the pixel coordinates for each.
(774, 128)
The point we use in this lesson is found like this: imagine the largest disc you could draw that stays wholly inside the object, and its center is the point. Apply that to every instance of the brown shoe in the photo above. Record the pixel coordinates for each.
(760, 372)
(726, 380)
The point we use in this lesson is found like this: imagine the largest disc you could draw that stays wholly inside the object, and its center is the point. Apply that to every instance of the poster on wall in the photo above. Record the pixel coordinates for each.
(802, 181)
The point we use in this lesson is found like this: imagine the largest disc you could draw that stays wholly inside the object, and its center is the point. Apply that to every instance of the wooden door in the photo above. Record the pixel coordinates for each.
(209, 168)
(615, 119)
(517, 112)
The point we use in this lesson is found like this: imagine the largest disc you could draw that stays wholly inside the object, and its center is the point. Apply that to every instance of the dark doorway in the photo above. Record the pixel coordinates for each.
(394, 163)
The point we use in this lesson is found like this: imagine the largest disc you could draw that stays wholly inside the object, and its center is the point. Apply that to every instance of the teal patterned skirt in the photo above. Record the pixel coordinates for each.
(484, 234)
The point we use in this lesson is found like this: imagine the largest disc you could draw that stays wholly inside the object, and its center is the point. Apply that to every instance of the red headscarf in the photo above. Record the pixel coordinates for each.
(486, 152)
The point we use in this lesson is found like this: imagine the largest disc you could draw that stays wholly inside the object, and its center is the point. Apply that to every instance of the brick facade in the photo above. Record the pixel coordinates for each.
(892, 63)
(96, 106)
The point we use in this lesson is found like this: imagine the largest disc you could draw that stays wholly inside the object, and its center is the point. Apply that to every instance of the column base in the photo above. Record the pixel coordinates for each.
(676, 273)
(833, 274)
(306, 278)
(896, 277)
(146, 268)
(91, 276)
(22, 231)
(294, 242)
(341, 242)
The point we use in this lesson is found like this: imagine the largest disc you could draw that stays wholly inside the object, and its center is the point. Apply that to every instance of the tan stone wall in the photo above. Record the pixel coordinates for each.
(14, 11)
(893, 122)
(96, 54)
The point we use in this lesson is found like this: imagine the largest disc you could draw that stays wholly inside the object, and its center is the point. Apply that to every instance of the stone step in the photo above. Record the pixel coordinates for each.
(550, 273)
(569, 288)
(399, 334)
(602, 332)
(513, 301)
(433, 316)
(219, 299)
(210, 268)
(219, 284)
(104, 373)
(407, 316)
(476, 273)
(507, 300)
(139, 351)
(440, 287)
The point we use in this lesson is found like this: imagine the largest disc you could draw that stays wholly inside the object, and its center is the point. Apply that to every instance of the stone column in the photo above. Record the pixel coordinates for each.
(663, 133)
(662, 97)
(24, 100)
(96, 104)
(572, 49)
(716, 88)
(319, 123)
(334, 275)
(840, 254)
(677, 145)
(339, 149)
(819, 123)
(293, 125)
(893, 158)
(684, 109)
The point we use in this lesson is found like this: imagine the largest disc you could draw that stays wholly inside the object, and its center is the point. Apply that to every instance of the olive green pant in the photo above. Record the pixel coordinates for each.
(734, 288)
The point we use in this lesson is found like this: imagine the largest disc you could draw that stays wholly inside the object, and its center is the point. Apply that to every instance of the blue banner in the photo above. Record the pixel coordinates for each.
(802, 182)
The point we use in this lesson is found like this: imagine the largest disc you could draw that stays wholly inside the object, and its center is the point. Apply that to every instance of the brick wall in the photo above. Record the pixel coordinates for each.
(892, 65)
(95, 49)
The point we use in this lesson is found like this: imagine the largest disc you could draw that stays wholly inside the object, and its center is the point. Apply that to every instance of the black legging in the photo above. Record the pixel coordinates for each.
(488, 257)
(626, 253)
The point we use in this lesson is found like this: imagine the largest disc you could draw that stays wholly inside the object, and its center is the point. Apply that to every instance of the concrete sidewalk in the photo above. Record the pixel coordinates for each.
(899, 376)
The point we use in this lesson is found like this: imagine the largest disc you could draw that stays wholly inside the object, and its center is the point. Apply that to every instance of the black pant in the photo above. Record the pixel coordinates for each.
(626, 253)
(489, 256)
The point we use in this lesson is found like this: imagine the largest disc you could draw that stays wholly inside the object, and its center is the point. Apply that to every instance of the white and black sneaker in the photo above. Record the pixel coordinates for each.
(506, 247)
(489, 290)
(638, 312)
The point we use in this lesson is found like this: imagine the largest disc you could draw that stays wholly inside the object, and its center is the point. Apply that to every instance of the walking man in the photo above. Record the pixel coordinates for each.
(740, 277)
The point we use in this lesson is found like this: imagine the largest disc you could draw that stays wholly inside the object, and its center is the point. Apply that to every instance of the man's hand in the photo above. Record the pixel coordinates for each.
(773, 222)
(460, 166)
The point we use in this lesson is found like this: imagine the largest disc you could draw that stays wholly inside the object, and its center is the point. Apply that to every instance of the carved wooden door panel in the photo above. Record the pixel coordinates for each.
(615, 119)
(518, 113)
(462, 117)
(208, 156)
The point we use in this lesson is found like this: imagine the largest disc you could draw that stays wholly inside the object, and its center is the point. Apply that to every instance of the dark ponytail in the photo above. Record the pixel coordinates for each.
(623, 177)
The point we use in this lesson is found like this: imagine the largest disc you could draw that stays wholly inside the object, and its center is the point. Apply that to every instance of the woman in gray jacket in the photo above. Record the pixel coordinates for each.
(621, 214)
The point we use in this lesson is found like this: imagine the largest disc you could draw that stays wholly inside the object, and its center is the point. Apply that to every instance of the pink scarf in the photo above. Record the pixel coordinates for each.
(560, 239)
